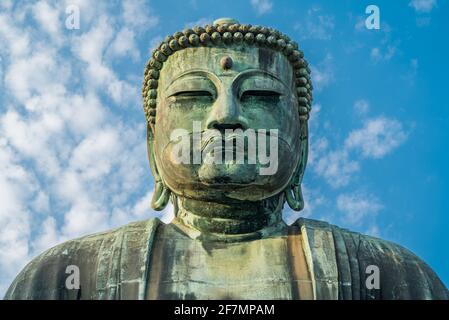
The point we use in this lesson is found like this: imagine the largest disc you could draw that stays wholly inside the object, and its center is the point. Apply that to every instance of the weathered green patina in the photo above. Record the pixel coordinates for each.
(228, 239)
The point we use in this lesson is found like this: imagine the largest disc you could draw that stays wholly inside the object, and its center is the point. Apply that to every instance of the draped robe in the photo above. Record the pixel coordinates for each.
(118, 264)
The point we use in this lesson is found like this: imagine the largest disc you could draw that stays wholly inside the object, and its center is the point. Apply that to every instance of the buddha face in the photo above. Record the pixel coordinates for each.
(204, 91)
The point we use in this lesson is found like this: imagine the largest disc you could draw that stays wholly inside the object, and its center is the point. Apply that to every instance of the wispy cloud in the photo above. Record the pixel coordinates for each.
(410, 75)
(378, 54)
(361, 107)
(337, 167)
(262, 6)
(316, 25)
(378, 137)
(423, 6)
(137, 15)
(355, 207)
(69, 164)
(323, 72)
(375, 139)
(48, 18)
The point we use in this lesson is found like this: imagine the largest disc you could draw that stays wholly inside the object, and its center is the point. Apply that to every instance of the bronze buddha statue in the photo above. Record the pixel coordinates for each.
(228, 239)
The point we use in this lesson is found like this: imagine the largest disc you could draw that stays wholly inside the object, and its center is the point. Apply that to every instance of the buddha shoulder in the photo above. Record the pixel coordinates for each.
(93, 257)
(352, 256)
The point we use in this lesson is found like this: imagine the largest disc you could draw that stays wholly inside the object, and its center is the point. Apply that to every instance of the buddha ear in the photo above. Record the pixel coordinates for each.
(293, 192)
(161, 194)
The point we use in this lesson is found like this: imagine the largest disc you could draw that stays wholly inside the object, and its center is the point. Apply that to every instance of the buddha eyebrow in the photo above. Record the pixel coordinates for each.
(257, 72)
(192, 80)
(198, 74)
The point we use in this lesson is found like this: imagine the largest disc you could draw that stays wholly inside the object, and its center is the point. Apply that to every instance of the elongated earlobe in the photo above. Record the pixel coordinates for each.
(294, 198)
(161, 194)
(293, 192)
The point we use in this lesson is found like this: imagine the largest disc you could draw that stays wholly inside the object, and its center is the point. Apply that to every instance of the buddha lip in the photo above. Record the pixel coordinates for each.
(222, 145)
(224, 139)
(230, 136)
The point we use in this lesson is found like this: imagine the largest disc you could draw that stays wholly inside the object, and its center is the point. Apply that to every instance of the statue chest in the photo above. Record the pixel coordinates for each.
(184, 268)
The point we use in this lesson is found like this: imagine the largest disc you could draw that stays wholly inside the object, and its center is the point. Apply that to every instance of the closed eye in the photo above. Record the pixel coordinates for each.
(198, 93)
(260, 93)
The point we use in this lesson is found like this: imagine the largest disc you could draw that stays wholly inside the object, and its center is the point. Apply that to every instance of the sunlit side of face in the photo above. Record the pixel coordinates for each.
(257, 92)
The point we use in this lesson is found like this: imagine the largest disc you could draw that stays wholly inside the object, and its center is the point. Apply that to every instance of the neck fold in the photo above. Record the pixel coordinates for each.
(230, 221)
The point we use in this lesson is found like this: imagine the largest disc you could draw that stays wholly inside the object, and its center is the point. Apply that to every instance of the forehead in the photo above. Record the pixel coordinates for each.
(244, 58)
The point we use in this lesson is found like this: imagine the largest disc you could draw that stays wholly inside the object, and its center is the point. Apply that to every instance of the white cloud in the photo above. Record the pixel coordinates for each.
(375, 139)
(356, 207)
(48, 235)
(14, 41)
(48, 74)
(410, 75)
(68, 158)
(17, 186)
(94, 157)
(378, 137)
(262, 6)
(378, 54)
(84, 218)
(318, 147)
(90, 49)
(124, 44)
(91, 45)
(84, 113)
(316, 25)
(30, 141)
(360, 24)
(337, 167)
(375, 54)
(41, 202)
(373, 231)
(423, 21)
(137, 15)
(423, 6)
(48, 19)
(6, 4)
(323, 73)
(361, 107)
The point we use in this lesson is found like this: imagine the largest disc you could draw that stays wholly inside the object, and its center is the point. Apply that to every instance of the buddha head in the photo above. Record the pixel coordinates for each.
(219, 84)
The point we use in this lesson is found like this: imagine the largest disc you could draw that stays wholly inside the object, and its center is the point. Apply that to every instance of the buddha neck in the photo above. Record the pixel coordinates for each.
(229, 221)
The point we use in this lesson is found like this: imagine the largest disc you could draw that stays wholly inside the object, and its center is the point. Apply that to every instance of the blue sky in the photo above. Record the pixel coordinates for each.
(72, 133)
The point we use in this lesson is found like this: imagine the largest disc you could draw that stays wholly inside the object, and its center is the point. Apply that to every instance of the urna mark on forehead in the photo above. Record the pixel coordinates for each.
(210, 60)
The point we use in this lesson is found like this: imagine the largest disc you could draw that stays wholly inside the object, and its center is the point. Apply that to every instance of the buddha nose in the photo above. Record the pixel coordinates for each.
(226, 113)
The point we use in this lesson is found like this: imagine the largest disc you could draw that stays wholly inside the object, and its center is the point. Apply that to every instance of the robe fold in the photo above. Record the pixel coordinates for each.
(117, 264)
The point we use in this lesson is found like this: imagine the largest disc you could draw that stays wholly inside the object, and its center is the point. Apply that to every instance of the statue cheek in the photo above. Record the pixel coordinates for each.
(170, 117)
(289, 124)
(174, 162)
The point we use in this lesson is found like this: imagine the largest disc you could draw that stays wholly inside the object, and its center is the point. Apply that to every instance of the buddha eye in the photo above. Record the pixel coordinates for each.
(192, 98)
(197, 93)
(260, 95)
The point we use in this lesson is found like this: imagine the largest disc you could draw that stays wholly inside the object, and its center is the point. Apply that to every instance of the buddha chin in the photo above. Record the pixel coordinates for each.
(228, 175)
(236, 181)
